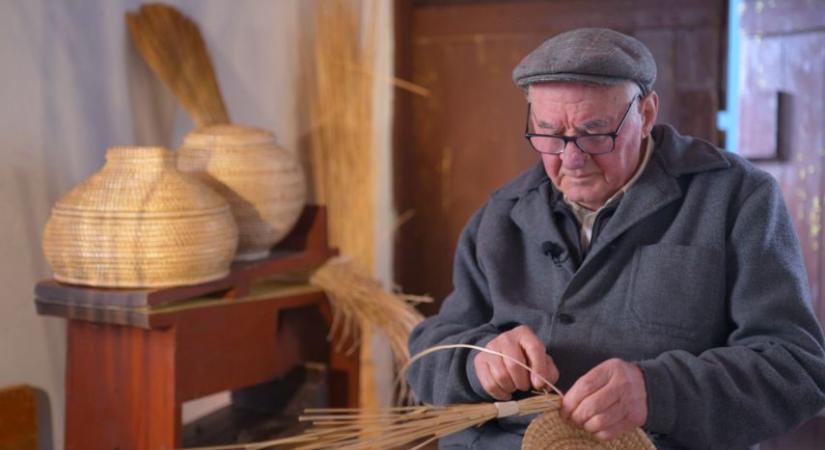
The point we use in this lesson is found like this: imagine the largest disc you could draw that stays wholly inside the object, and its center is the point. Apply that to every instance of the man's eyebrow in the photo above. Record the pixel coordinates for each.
(589, 125)
(595, 123)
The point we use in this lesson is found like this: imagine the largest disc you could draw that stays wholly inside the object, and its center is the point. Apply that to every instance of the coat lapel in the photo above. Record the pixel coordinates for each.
(654, 190)
(534, 216)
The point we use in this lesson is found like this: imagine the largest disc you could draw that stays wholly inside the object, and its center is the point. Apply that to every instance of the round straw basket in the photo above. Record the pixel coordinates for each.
(263, 183)
(139, 222)
(549, 431)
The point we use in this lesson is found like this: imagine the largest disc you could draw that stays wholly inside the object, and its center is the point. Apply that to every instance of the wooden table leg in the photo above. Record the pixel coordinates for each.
(344, 373)
(343, 380)
(120, 388)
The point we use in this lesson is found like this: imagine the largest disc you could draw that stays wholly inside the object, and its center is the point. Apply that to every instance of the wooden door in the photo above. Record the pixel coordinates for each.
(462, 141)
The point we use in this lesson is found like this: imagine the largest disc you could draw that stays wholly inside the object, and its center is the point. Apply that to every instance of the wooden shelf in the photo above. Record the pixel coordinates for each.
(135, 355)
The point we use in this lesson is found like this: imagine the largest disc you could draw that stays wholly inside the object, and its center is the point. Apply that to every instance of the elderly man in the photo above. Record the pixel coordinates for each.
(655, 278)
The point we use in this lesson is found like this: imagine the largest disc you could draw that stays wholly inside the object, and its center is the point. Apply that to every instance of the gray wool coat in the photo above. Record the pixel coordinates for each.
(696, 275)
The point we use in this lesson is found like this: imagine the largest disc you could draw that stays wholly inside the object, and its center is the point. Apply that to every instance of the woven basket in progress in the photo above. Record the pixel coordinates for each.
(549, 431)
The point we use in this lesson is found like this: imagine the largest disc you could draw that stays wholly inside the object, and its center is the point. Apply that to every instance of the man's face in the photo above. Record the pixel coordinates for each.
(580, 108)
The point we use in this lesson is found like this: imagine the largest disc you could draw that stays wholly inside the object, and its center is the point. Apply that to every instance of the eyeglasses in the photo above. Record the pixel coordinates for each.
(594, 144)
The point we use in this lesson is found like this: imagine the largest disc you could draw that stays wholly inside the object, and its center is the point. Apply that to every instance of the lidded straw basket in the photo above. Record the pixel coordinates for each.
(264, 183)
(139, 222)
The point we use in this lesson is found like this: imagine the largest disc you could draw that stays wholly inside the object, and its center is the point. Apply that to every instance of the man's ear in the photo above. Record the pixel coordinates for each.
(649, 111)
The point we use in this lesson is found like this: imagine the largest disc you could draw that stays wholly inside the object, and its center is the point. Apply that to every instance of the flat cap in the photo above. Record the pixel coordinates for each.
(595, 55)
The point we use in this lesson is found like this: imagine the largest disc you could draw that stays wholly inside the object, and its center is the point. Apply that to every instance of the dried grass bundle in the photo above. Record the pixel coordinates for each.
(409, 427)
(173, 47)
(359, 301)
(342, 125)
(342, 141)
(413, 427)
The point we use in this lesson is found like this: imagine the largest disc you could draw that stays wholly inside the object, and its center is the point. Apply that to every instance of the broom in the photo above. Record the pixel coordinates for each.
(358, 301)
(173, 47)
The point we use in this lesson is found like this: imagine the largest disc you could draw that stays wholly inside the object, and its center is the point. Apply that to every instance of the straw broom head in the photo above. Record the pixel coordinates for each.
(173, 47)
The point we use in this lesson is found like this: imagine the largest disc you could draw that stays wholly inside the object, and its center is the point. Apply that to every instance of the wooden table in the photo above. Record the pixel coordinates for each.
(134, 356)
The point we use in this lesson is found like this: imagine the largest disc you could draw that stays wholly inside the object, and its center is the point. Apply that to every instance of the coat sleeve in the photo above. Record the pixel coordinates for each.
(448, 376)
(771, 374)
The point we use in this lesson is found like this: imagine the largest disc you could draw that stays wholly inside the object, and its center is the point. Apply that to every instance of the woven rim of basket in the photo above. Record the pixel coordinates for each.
(548, 431)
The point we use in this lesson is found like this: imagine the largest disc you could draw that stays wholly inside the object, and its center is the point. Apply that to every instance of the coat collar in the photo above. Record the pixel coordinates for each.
(674, 156)
(677, 155)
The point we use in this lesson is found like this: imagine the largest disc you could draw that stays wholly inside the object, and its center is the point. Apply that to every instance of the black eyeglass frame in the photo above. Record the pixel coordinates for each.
(575, 139)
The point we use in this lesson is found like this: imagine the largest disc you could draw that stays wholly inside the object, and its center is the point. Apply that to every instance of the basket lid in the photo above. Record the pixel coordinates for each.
(220, 135)
(140, 181)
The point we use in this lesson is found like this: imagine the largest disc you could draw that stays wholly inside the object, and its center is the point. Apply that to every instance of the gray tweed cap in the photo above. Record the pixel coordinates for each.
(595, 55)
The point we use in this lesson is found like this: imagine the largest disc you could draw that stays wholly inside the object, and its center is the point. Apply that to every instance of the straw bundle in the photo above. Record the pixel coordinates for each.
(413, 427)
(263, 183)
(359, 301)
(342, 141)
(410, 427)
(173, 47)
(139, 222)
(342, 137)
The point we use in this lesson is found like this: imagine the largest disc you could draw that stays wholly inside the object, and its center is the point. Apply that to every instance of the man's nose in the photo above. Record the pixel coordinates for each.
(573, 157)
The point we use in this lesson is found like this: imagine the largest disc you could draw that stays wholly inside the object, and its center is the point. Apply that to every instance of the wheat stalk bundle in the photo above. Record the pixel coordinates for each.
(413, 427)
(173, 47)
(342, 141)
(399, 427)
(342, 120)
(359, 301)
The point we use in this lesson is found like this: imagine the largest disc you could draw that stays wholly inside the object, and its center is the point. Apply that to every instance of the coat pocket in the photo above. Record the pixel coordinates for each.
(677, 290)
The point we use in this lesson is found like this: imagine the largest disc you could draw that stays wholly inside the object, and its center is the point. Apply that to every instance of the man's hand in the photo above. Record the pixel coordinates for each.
(501, 377)
(609, 400)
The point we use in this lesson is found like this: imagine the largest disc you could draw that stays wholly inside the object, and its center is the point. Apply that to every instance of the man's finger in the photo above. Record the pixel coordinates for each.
(584, 387)
(541, 362)
(485, 377)
(606, 418)
(518, 374)
(500, 375)
(597, 403)
(617, 429)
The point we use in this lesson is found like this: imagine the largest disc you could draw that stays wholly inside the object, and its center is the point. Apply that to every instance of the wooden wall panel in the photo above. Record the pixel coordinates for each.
(461, 142)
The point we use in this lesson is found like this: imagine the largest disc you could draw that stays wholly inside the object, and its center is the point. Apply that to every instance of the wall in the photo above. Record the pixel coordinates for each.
(71, 86)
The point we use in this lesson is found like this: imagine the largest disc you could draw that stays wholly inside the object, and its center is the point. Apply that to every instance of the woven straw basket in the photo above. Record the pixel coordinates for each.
(139, 222)
(549, 431)
(264, 184)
